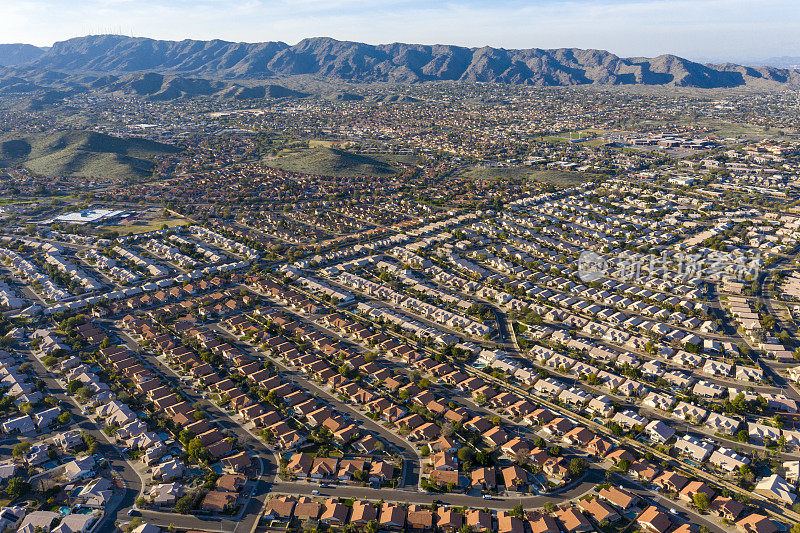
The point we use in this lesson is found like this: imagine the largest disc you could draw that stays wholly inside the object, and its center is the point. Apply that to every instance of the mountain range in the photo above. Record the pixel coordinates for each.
(170, 69)
(18, 54)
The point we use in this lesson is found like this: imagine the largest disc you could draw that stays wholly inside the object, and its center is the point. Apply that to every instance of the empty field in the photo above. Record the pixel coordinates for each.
(143, 226)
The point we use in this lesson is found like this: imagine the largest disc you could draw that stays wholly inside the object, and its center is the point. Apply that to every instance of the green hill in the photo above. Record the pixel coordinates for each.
(82, 153)
(331, 162)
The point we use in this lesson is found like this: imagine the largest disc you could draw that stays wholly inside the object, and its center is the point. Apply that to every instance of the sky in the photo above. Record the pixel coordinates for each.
(709, 30)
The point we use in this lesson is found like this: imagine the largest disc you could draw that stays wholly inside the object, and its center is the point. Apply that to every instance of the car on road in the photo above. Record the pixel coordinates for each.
(487, 496)
(315, 492)
(133, 512)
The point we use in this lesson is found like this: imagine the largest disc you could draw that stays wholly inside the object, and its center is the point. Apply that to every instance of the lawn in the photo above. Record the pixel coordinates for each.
(11, 200)
(576, 136)
(151, 225)
(325, 144)
(729, 129)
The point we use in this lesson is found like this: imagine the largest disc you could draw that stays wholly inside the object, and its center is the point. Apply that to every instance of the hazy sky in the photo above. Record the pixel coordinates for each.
(699, 29)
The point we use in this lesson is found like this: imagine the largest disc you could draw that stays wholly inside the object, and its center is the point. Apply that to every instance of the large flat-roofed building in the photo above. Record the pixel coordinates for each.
(91, 216)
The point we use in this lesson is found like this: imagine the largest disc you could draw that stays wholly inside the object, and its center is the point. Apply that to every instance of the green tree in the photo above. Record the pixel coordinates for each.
(465, 454)
(20, 449)
(133, 524)
(17, 487)
(701, 501)
(615, 428)
(185, 504)
(746, 474)
(196, 451)
(272, 397)
(85, 392)
(577, 466)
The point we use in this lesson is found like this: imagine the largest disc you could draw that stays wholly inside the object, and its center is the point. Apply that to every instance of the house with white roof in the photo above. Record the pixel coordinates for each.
(694, 448)
(46, 418)
(575, 397)
(659, 401)
(791, 471)
(727, 459)
(169, 470)
(746, 373)
(792, 438)
(79, 468)
(548, 386)
(601, 406)
(760, 432)
(717, 368)
(689, 360)
(629, 419)
(708, 389)
(653, 367)
(658, 431)
(722, 424)
(780, 402)
(689, 412)
(22, 424)
(776, 488)
(632, 388)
